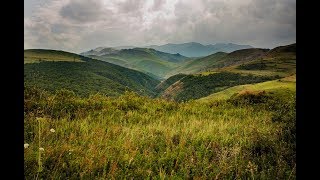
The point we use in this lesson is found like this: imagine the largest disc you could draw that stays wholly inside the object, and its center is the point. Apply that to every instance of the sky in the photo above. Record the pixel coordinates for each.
(81, 25)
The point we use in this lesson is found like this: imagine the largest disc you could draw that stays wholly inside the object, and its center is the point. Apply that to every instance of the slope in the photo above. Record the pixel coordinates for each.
(219, 60)
(227, 70)
(85, 76)
(279, 61)
(274, 86)
(198, 65)
(193, 49)
(197, 86)
(145, 60)
(39, 55)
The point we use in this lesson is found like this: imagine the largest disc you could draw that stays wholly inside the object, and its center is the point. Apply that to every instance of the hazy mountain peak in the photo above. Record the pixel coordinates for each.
(195, 49)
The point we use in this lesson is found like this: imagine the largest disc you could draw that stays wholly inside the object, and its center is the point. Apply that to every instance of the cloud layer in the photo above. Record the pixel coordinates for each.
(78, 25)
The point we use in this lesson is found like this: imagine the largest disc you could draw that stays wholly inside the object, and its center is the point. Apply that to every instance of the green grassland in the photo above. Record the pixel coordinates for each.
(276, 86)
(219, 60)
(84, 78)
(225, 70)
(197, 64)
(274, 62)
(279, 61)
(135, 137)
(198, 86)
(92, 119)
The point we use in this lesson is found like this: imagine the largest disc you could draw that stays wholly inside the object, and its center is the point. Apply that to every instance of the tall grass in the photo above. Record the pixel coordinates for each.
(137, 137)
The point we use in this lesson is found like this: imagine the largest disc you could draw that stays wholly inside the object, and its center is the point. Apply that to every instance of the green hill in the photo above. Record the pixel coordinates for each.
(168, 82)
(235, 120)
(134, 137)
(219, 71)
(279, 61)
(145, 60)
(39, 55)
(194, 49)
(198, 64)
(283, 50)
(274, 86)
(83, 76)
(220, 60)
(197, 86)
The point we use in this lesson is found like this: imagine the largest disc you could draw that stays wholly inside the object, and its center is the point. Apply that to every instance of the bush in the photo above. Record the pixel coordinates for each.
(249, 98)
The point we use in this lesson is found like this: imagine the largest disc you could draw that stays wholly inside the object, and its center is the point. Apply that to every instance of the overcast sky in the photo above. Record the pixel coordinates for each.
(80, 25)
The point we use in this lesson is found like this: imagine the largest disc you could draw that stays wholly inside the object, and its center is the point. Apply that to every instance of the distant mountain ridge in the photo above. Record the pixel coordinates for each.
(194, 49)
(190, 49)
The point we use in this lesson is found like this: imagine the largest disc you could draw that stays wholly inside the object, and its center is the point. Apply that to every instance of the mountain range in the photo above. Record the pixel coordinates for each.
(147, 60)
(155, 73)
(194, 49)
(139, 113)
(191, 49)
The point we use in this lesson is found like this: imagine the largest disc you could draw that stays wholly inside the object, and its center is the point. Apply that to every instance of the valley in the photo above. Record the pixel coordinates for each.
(142, 113)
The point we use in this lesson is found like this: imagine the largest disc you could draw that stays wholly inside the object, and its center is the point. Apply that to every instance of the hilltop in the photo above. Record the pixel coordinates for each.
(146, 60)
(220, 71)
(83, 75)
(278, 58)
(230, 116)
(193, 49)
(39, 55)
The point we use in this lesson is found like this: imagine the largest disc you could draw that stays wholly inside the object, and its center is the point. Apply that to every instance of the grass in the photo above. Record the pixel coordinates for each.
(90, 76)
(242, 132)
(135, 137)
(282, 85)
(145, 60)
(198, 85)
(36, 56)
(279, 61)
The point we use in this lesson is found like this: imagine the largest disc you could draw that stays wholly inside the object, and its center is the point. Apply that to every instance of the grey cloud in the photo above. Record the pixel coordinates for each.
(157, 5)
(130, 6)
(283, 11)
(78, 25)
(82, 10)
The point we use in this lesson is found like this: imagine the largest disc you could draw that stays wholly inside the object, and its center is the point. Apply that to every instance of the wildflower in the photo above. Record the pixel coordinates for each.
(26, 145)
(41, 149)
(52, 130)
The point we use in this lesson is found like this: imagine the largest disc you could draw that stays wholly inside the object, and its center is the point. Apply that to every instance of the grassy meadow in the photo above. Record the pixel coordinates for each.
(279, 86)
(245, 136)
(234, 117)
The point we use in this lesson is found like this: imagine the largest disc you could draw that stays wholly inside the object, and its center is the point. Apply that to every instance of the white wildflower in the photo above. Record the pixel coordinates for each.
(52, 130)
(41, 149)
(26, 145)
